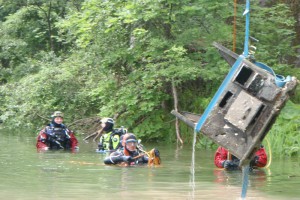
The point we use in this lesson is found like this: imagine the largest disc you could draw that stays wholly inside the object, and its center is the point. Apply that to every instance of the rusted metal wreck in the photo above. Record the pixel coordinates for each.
(246, 104)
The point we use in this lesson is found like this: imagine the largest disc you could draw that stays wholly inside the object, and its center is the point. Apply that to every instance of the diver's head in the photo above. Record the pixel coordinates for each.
(129, 142)
(107, 124)
(57, 118)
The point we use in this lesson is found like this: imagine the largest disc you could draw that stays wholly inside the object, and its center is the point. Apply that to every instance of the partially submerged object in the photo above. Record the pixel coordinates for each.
(246, 104)
(245, 107)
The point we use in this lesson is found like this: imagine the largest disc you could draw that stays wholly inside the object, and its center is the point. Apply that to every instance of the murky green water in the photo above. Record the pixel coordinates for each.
(26, 174)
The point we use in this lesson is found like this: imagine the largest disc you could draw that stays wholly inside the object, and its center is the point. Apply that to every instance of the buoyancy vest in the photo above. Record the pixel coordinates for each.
(57, 136)
(111, 140)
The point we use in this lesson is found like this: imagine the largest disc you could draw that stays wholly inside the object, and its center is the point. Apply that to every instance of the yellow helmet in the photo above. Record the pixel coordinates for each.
(57, 114)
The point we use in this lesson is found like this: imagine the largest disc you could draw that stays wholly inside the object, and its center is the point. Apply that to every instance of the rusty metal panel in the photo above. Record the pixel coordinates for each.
(243, 110)
(269, 91)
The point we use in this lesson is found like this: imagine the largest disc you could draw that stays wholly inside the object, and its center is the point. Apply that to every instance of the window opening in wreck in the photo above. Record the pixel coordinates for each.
(225, 99)
(256, 84)
(257, 115)
(244, 75)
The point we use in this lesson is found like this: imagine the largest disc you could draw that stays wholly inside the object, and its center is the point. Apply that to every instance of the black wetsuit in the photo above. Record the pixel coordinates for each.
(119, 157)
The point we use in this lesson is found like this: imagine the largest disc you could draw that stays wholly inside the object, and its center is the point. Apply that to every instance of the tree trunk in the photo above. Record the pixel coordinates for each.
(176, 109)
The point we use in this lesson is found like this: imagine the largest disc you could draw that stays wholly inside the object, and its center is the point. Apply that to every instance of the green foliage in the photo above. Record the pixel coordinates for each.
(284, 136)
(273, 27)
(205, 143)
(27, 24)
(120, 58)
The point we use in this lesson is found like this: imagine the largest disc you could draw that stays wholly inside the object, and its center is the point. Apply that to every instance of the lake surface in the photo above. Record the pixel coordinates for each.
(26, 174)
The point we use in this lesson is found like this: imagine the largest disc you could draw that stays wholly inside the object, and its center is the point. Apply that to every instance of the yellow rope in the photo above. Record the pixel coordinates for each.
(142, 150)
(270, 154)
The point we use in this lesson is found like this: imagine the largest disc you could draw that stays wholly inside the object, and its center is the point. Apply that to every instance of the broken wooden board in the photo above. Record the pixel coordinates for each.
(187, 117)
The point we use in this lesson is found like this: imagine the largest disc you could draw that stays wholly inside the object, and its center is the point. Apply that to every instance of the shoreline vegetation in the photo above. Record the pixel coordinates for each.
(133, 61)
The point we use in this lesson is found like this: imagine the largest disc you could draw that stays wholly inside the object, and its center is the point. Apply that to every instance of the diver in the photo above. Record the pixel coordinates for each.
(56, 135)
(132, 154)
(110, 139)
(225, 160)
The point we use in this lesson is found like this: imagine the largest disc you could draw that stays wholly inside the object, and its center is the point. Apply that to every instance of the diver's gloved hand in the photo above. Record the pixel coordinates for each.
(156, 152)
(254, 161)
(230, 165)
(100, 146)
(45, 148)
(128, 159)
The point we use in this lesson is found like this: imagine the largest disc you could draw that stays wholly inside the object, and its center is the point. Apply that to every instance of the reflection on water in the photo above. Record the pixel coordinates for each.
(245, 180)
(26, 174)
(192, 179)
